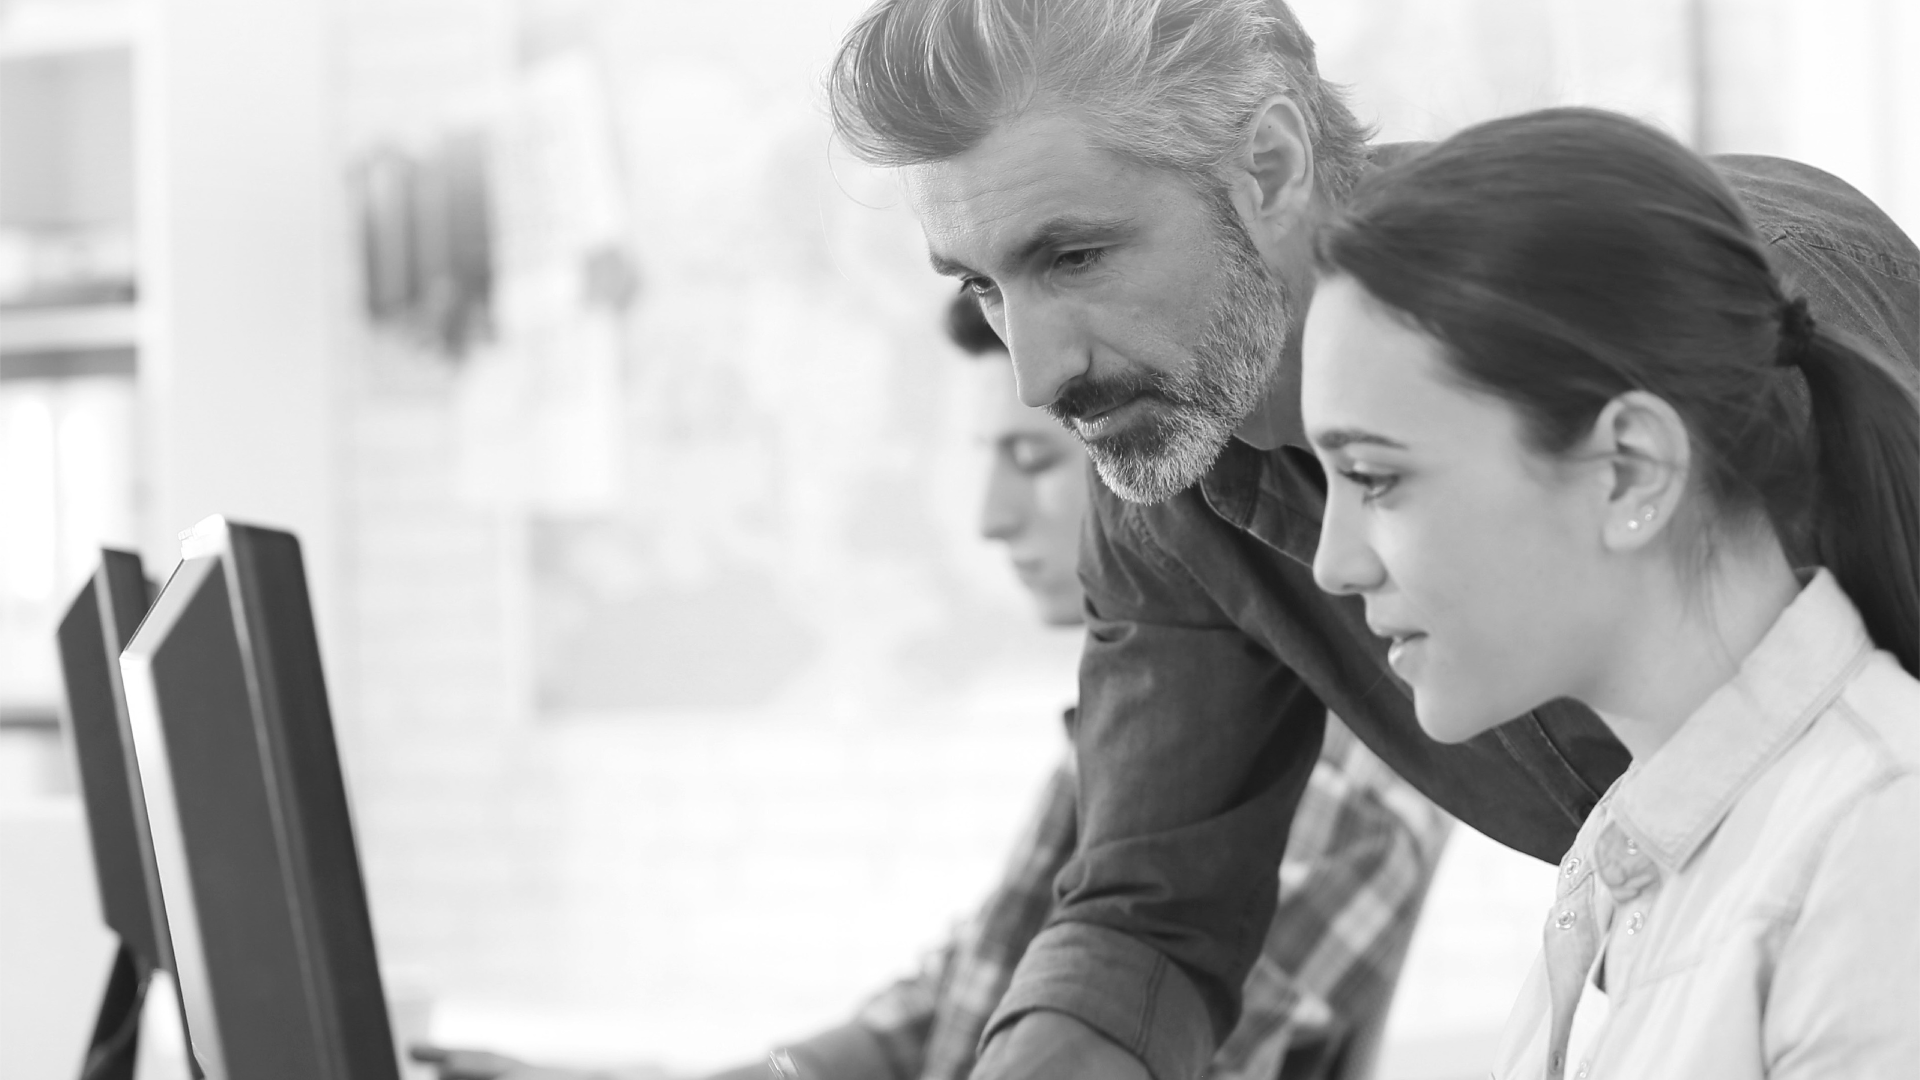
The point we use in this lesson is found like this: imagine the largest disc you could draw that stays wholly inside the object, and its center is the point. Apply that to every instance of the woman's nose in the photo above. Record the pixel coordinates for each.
(1344, 563)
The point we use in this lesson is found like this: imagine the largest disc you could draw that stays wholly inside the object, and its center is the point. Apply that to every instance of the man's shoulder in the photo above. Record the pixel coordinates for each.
(1793, 200)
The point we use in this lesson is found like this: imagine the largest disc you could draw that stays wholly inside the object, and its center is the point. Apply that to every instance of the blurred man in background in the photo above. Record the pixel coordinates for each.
(1358, 864)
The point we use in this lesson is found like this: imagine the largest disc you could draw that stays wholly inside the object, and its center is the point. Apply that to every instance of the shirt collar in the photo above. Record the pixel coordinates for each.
(1675, 799)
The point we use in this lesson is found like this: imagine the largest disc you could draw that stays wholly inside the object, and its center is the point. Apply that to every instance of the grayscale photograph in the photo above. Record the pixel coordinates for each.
(959, 540)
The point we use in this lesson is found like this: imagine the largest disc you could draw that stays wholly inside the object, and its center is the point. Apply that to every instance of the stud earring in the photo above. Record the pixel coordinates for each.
(1645, 518)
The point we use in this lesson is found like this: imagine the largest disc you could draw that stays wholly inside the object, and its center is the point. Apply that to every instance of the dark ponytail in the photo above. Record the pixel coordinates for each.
(1866, 513)
(1567, 256)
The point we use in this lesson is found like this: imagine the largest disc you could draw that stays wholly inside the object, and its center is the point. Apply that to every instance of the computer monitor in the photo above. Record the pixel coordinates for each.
(272, 944)
(98, 624)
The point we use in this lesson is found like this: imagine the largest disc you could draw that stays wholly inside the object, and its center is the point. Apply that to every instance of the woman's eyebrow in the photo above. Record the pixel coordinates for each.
(1340, 438)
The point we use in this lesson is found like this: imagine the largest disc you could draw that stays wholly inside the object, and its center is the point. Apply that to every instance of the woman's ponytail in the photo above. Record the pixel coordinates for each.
(1866, 432)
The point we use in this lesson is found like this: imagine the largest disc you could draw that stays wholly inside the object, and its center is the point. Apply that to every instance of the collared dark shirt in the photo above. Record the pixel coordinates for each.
(1212, 658)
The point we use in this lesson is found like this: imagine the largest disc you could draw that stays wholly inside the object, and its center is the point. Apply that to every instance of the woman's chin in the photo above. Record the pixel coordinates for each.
(1448, 721)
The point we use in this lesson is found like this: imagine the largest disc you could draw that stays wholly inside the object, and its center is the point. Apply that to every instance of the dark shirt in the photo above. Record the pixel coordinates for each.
(1212, 658)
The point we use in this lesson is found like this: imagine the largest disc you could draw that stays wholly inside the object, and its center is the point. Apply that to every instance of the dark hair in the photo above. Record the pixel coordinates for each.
(968, 328)
(1172, 84)
(1567, 256)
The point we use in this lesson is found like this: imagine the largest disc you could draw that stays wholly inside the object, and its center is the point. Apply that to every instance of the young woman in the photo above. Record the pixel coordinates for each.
(1582, 442)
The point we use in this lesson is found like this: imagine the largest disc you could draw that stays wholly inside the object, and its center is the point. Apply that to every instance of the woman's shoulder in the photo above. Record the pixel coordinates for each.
(1866, 739)
(1882, 705)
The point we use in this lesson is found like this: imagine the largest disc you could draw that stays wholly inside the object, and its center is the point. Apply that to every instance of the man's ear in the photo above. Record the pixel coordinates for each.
(1648, 459)
(1272, 181)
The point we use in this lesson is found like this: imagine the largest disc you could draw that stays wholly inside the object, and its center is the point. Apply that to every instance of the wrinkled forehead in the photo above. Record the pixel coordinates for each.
(980, 207)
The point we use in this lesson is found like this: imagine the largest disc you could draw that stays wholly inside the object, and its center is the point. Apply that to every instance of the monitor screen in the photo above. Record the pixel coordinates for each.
(97, 626)
(273, 947)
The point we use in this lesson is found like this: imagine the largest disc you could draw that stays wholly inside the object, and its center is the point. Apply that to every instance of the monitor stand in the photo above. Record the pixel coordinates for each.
(116, 1033)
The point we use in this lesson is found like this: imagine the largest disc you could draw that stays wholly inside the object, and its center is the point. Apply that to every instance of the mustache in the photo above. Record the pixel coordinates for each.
(1085, 396)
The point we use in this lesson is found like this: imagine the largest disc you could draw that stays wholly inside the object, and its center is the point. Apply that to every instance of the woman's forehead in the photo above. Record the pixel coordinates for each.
(1369, 377)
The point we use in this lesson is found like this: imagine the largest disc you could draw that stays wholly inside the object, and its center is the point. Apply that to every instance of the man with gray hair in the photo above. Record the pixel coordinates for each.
(1131, 187)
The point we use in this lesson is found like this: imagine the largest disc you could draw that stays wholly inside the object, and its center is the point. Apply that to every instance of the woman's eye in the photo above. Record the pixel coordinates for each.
(1372, 485)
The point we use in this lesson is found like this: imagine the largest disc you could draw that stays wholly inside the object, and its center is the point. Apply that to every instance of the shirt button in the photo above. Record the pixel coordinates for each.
(1571, 866)
(1637, 920)
(1564, 920)
(1582, 1074)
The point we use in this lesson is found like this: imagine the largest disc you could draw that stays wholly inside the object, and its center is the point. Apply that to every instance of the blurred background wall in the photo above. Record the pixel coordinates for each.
(680, 705)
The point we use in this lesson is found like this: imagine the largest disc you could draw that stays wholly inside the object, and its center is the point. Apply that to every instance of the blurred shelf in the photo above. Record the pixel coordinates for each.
(78, 328)
(68, 364)
(34, 29)
(30, 715)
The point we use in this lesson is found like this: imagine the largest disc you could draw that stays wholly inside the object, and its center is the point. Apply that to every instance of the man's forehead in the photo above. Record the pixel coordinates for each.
(1025, 175)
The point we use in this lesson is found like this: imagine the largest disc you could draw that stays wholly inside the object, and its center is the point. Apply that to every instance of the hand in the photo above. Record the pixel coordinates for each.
(451, 1064)
(1046, 1045)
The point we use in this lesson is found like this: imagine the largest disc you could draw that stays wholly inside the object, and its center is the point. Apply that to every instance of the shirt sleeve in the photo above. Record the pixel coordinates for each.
(1194, 744)
(1362, 852)
(1845, 993)
(928, 1024)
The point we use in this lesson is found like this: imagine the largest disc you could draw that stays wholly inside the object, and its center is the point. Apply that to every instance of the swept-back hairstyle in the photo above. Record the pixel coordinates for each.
(1567, 256)
(1172, 84)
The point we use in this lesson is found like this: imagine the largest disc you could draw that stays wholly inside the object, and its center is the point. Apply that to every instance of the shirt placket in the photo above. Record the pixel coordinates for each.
(1571, 940)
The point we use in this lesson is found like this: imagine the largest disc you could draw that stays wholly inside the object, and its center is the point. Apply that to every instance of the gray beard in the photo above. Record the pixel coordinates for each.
(1199, 408)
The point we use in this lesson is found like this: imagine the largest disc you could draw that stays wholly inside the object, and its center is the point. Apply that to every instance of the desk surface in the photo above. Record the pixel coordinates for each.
(54, 951)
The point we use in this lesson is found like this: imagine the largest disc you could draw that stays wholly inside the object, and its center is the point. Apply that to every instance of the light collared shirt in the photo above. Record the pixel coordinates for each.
(1746, 901)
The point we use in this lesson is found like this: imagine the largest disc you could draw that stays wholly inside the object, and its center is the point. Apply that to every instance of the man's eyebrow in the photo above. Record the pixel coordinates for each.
(946, 267)
(1052, 233)
(1339, 438)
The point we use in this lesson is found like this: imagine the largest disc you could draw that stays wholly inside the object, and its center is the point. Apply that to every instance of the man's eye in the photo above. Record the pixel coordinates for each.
(984, 288)
(1372, 485)
(1079, 258)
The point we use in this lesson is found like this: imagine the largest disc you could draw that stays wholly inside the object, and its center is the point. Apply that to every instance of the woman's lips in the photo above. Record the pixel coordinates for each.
(1402, 651)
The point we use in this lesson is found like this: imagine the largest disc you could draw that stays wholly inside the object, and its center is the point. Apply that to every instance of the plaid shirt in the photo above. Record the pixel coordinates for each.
(1362, 850)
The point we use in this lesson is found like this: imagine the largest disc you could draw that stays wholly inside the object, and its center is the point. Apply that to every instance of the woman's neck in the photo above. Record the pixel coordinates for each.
(1691, 642)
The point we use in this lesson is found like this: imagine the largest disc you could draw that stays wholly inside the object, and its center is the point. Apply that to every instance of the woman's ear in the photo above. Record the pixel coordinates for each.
(1648, 458)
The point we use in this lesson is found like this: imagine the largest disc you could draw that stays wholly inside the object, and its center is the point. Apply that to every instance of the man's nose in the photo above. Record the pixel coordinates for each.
(1345, 562)
(1003, 507)
(1047, 350)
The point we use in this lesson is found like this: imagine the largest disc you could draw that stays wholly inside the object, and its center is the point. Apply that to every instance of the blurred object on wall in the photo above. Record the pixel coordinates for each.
(541, 412)
(427, 242)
